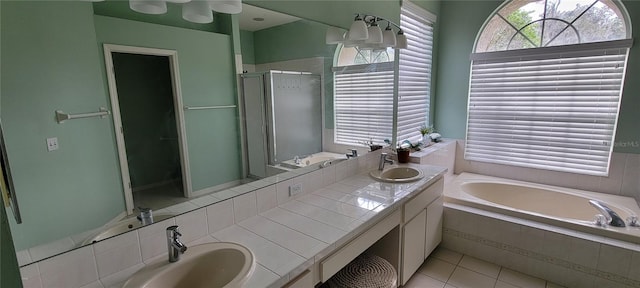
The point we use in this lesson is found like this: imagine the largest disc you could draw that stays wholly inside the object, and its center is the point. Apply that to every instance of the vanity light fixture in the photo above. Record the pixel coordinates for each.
(358, 30)
(148, 6)
(334, 35)
(197, 11)
(366, 34)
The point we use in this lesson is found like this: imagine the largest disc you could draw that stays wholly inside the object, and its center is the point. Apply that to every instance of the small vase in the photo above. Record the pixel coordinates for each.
(426, 140)
(403, 156)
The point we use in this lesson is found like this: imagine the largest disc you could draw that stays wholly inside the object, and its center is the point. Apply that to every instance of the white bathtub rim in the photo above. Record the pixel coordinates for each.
(612, 202)
(454, 195)
(544, 226)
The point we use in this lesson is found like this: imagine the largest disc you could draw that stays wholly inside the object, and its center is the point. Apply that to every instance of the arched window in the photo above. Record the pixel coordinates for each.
(546, 82)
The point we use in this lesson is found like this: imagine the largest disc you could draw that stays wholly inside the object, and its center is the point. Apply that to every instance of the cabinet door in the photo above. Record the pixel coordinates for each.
(414, 244)
(434, 226)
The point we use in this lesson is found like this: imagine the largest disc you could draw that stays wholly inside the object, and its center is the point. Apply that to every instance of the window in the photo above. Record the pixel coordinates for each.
(363, 96)
(414, 79)
(546, 82)
(364, 85)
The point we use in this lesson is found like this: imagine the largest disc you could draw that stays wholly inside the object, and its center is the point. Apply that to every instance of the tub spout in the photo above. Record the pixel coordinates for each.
(613, 218)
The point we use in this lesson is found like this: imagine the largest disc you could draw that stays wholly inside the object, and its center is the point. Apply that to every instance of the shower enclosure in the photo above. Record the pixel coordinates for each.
(283, 118)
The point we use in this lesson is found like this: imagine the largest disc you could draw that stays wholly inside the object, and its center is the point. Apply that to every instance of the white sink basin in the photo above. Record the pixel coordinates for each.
(397, 174)
(219, 264)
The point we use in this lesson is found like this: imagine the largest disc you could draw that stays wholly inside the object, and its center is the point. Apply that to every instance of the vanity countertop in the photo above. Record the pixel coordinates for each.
(291, 237)
(288, 239)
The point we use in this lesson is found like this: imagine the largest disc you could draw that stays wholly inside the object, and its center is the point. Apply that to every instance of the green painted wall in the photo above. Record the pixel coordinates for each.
(456, 42)
(145, 95)
(247, 46)
(298, 40)
(207, 78)
(333, 12)
(51, 52)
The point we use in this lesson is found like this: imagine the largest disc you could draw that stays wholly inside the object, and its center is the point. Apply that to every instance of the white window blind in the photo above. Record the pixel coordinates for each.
(548, 108)
(363, 105)
(414, 79)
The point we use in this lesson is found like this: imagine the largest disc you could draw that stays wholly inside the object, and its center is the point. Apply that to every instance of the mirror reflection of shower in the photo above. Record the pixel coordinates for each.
(146, 100)
(284, 118)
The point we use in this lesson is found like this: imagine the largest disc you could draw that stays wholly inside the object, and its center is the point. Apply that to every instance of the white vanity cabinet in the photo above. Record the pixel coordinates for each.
(405, 237)
(422, 228)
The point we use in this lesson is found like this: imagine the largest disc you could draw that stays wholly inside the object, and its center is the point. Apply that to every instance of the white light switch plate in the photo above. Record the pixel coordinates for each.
(52, 144)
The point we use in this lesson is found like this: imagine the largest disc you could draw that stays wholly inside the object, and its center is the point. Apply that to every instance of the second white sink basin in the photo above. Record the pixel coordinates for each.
(397, 174)
(219, 264)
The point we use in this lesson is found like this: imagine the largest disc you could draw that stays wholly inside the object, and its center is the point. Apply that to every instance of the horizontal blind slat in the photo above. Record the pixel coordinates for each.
(557, 113)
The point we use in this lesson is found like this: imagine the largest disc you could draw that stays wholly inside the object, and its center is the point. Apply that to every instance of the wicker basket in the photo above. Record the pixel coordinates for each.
(366, 271)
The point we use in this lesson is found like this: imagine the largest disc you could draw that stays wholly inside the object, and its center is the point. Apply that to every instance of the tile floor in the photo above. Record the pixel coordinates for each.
(450, 269)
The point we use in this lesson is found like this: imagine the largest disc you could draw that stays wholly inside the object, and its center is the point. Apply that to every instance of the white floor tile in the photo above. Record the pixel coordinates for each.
(501, 284)
(437, 269)
(423, 281)
(480, 266)
(521, 280)
(445, 254)
(463, 278)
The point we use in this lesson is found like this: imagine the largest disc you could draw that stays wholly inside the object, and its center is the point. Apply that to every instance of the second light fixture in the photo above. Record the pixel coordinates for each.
(365, 33)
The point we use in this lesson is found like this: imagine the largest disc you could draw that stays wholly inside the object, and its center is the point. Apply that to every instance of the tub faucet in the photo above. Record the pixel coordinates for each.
(383, 160)
(612, 217)
(354, 153)
(173, 242)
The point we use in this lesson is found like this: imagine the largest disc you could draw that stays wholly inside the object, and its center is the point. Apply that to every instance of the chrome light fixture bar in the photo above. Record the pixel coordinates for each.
(366, 34)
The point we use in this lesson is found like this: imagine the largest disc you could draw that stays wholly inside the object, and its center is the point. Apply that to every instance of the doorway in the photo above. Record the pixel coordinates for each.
(149, 126)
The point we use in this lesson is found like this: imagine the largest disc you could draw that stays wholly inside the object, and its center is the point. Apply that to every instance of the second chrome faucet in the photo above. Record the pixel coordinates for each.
(383, 160)
(175, 246)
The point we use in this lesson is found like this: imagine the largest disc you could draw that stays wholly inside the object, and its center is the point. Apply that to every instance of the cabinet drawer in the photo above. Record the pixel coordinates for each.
(419, 202)
(347, 253)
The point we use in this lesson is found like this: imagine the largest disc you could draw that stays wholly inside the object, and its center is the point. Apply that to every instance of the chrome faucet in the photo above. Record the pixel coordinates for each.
(173, 242)
(354, 153)
(146, 216)
(611, 216)
(383, 160)
(297, 160)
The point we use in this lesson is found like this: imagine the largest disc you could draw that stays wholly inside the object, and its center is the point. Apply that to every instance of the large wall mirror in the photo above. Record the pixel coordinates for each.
(185, 129)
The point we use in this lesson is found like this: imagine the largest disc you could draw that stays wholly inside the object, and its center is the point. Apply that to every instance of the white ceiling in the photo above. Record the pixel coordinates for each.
(271, 18)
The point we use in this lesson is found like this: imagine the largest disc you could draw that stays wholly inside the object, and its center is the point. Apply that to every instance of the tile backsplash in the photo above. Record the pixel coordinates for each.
(110, 262)
(622, 180)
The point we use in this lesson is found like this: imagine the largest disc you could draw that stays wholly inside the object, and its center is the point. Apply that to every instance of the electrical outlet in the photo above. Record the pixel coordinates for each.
(52, 144)
(295, 189)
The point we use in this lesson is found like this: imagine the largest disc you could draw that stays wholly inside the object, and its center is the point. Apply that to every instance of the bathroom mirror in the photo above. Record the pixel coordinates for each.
(67, 173)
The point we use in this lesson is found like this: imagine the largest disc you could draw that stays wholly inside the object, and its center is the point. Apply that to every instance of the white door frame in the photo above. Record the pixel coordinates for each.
(117, 121)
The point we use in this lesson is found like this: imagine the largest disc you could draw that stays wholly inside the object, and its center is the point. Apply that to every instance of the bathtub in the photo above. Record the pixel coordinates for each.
(562, 207)
(313, 159)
